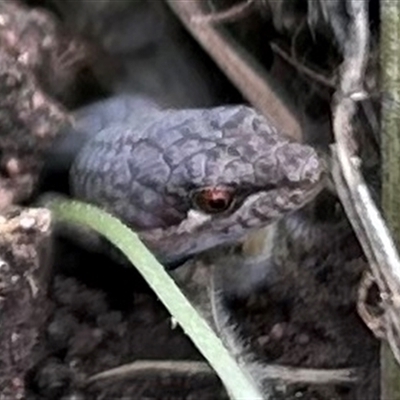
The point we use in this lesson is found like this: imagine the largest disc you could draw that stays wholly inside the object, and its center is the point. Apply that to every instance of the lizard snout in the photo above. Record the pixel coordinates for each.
(301, 164)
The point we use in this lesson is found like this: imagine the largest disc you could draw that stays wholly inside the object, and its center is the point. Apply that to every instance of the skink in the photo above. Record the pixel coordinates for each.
(186, 180)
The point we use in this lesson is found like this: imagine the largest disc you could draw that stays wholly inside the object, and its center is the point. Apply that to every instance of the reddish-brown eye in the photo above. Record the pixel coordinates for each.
(213, 200)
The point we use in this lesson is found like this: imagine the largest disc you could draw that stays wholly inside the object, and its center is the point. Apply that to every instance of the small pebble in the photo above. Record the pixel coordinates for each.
(4, 265)
(263, 340)
(14, 337)
(74, 396)
(13, 167)
(3, 20)
(303, 338)
(53, 380)
(38, 100)
(27, 223)
(277, 331)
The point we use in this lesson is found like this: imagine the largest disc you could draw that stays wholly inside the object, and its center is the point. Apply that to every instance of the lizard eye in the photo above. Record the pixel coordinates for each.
(213, 200)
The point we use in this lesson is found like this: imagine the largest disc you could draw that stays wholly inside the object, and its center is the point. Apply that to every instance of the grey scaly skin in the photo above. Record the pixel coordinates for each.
(145, 165)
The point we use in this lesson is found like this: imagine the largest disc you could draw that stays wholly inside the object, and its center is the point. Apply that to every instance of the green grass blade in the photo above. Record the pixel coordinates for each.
(239, 384)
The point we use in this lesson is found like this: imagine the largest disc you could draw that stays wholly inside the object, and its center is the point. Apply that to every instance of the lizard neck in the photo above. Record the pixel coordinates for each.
(86, 123)
(58, 159)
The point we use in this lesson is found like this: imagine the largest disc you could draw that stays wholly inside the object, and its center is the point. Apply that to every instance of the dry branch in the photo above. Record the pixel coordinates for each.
(363, 213)
(238, 65)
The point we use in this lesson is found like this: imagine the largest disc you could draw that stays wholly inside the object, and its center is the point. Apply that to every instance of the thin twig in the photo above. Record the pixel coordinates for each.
(239, 66)
(317, 376)
(328, 82)
(144, 368)
(267, 373)
(233, 14)
(374, 322)
(365, 217)
(140, 368)
(356, 49)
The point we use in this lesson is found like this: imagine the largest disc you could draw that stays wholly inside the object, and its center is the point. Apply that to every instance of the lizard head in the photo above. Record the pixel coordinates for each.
(191, 180)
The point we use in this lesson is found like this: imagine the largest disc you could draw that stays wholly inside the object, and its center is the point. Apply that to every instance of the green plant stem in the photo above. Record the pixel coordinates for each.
(239, 385)
(390, 67)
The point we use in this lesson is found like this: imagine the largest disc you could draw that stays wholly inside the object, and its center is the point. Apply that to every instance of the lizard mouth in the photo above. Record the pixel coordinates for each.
(175, 264)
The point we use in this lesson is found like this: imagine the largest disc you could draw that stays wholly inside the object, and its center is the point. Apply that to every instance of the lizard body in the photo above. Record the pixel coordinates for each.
(188, 180)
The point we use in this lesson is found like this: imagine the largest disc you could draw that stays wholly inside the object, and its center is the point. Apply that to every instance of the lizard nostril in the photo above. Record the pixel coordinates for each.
(301, 163)
(313, 167)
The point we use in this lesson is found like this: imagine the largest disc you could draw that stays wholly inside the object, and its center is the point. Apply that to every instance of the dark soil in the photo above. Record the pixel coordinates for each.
(308, 317)
(105, 317)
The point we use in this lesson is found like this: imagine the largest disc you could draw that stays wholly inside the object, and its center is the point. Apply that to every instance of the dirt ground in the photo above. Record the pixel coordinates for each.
(104, 316)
